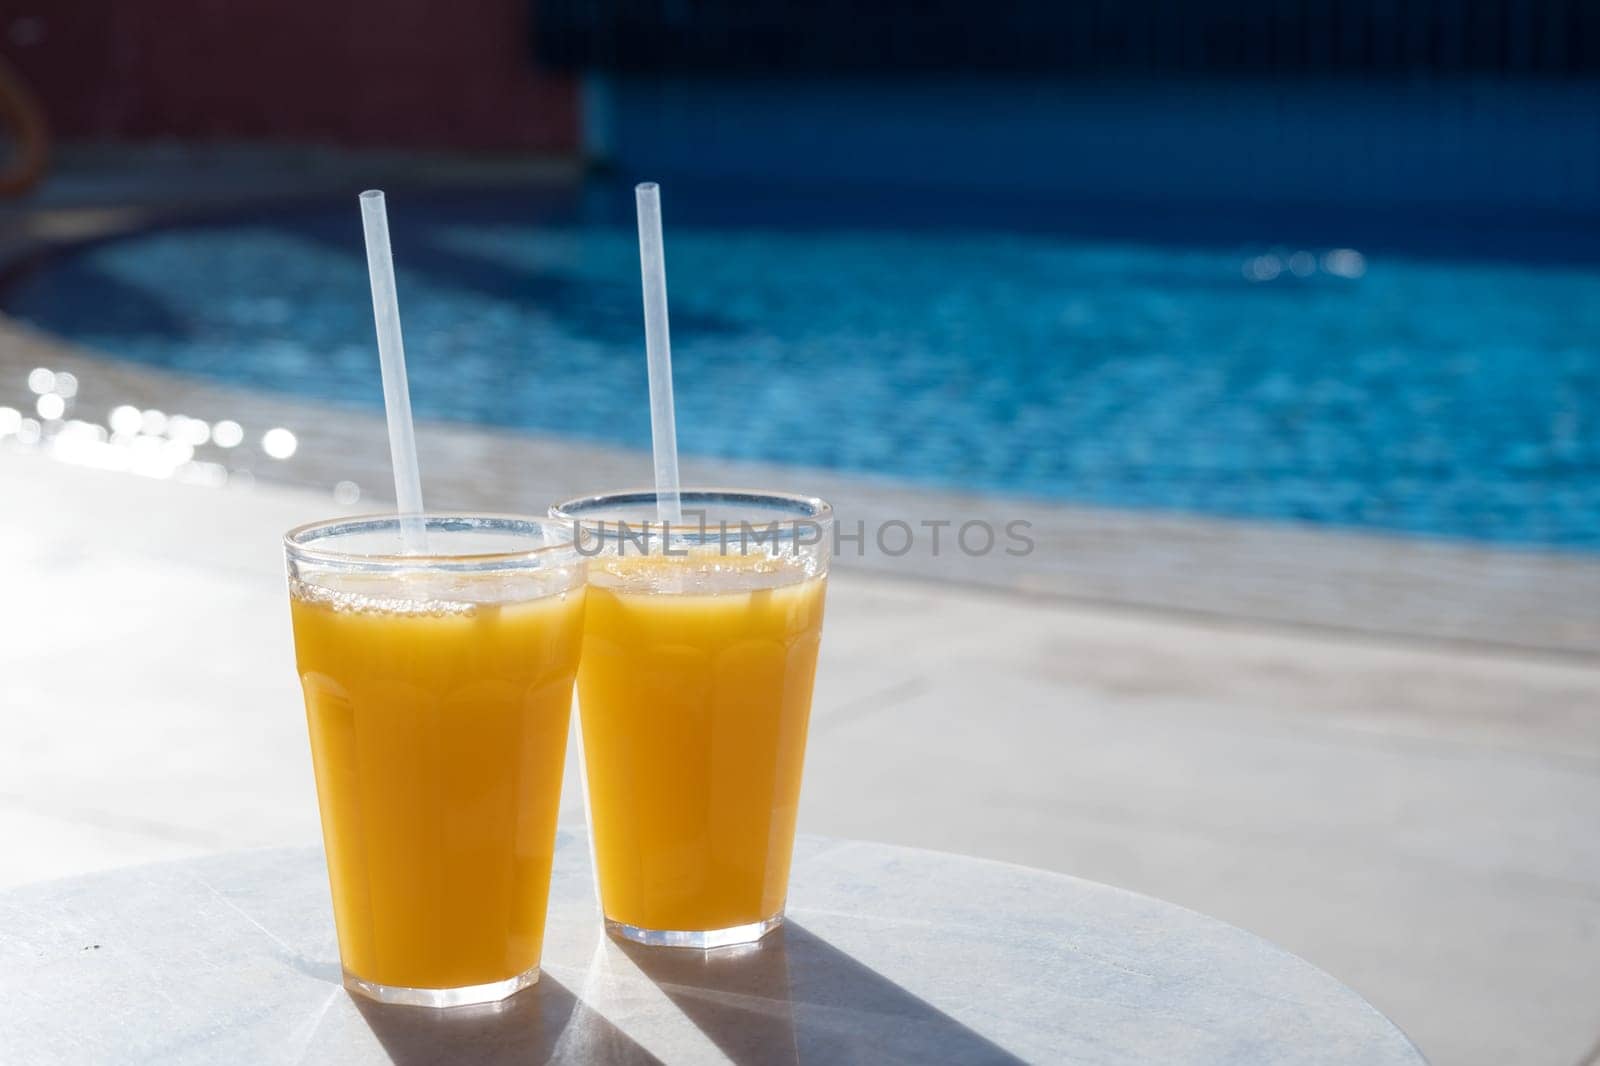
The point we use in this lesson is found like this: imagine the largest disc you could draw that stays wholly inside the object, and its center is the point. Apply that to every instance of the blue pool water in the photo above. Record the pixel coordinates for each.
(1450, 394)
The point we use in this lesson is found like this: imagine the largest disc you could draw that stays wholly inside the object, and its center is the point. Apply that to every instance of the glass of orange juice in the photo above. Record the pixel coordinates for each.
(438, 691)
(694, 695)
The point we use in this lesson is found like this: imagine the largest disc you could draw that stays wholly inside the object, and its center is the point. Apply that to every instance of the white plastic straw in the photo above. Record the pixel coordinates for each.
(658, 350)
(392, 357)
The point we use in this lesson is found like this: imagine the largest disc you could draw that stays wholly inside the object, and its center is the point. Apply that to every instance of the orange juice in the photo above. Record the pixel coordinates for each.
(438, 713)
(695, 693)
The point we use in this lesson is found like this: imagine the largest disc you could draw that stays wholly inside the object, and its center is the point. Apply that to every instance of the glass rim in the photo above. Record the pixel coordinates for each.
(299, 542)
(805, 508)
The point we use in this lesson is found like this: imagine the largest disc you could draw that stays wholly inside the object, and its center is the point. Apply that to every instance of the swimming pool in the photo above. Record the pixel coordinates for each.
(1442, 394)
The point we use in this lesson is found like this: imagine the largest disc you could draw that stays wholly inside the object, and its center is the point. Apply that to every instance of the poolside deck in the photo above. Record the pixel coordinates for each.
(1408, 588)
(1383, 754)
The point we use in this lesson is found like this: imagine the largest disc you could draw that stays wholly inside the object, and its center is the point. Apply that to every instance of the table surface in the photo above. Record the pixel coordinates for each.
(889, 955)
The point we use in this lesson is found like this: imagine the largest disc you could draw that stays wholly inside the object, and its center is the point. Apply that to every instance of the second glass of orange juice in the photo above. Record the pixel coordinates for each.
(438, 692)
(694, 696)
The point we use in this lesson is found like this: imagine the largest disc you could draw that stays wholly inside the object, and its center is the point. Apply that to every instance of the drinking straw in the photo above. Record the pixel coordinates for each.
(658, 351)
(392, 358)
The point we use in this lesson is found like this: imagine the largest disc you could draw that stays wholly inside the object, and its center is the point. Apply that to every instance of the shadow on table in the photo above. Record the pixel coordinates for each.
(795, 998)
(536, 1025)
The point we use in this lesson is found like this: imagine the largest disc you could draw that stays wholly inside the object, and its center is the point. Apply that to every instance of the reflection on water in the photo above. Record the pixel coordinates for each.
(1344, 371)
(49, 417)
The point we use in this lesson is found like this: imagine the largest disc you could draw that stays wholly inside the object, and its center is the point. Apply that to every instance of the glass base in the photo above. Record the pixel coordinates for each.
(465, 996)
(704, 939)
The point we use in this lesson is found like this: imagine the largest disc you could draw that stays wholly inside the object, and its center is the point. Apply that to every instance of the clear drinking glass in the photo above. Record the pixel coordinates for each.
(694, 695)
(438, 693)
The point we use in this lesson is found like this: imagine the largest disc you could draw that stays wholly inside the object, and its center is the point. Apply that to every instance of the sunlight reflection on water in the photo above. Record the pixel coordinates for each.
(148, 442)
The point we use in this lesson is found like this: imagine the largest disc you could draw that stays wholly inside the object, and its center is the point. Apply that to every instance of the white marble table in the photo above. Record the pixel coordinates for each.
(890, 955)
